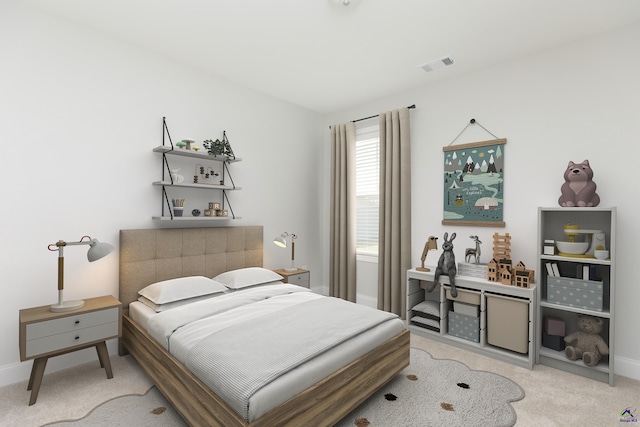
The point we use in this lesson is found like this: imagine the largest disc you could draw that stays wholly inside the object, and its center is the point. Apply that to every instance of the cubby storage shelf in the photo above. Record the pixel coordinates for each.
(475, 290)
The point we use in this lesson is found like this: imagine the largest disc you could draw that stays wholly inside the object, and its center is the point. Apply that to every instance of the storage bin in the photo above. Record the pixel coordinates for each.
(571, 292)
(468, 309)
(508, 322)
(463, 326)
(464, 295)
(555, 342)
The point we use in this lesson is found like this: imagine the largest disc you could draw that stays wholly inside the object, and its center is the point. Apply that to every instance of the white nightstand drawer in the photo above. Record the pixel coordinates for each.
(301, 279)
(70, 339)
(71, 323)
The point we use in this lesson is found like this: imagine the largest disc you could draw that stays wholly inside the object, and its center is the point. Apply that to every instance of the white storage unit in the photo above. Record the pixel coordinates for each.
(565, 296)
(475, 309)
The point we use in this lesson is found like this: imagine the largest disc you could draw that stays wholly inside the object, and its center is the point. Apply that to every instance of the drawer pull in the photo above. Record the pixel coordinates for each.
(77, 322)
(77, 337)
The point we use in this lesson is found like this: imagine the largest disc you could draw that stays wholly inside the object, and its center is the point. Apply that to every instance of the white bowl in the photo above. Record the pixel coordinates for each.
(573, 248)
(601, 254)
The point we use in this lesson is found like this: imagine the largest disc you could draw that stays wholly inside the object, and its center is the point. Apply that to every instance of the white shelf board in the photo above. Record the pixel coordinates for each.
(195, 218)
(192, 185)
(191, 153)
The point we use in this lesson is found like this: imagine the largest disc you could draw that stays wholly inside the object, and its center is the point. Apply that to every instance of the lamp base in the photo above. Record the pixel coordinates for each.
(67, 306)
(290, 269)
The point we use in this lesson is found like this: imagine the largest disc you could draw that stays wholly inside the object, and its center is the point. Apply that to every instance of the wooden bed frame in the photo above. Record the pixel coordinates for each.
(148, 256)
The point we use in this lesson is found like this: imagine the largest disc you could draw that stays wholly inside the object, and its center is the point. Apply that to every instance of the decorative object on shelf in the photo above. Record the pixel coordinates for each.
(96, 251)
(475, 252)
(430, 245)
(195, 212)
(181, 144)
(446, 265)
(594, 239)
(500, 268)
(214, 206)
(474, 182)
(196, 148)
(219, 148)
(178, 206)
(188, 142)
(578, 188)
(208, 212)
(586, 343)
(549, 247)
(601, 254)
(281, 241)
(175, 177)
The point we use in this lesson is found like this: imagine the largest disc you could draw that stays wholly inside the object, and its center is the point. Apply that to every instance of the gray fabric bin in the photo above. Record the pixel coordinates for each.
(587, 294)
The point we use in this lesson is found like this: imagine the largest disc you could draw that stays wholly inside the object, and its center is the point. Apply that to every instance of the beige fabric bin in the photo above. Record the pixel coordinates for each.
(464, 295)
(508, 322)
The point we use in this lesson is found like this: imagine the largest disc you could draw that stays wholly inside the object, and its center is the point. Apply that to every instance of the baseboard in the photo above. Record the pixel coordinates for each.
(20, 371)
(367, 300)
(629, 368)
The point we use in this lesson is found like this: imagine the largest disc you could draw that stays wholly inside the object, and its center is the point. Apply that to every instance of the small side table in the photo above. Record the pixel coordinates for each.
(299, 277)
(45, 334)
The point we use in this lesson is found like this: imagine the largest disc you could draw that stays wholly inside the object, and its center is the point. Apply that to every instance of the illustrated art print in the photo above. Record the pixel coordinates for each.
(474, 184)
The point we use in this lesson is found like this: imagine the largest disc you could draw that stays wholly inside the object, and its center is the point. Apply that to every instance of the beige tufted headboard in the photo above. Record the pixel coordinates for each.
(151, 255)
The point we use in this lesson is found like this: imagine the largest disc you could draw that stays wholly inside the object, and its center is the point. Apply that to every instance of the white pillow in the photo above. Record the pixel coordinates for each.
(181, 288)
(169, 305)
(243, 277)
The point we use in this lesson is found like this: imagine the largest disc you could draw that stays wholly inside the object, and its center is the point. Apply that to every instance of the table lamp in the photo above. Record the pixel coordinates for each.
(96, 251)
(281, 241)
(431, 245)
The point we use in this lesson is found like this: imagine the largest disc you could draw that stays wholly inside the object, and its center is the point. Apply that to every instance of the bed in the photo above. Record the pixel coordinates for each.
(328, 386)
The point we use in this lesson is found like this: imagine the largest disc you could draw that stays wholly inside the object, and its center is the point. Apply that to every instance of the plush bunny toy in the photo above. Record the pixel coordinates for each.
(446, 265)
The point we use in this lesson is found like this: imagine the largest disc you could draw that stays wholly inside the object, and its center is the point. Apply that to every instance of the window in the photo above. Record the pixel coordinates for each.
(367, 190)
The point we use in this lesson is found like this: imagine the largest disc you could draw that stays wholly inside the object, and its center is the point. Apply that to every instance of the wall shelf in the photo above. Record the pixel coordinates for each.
(167, 183)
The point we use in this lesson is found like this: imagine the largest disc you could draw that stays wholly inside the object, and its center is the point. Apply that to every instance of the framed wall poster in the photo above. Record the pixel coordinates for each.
(474, 184)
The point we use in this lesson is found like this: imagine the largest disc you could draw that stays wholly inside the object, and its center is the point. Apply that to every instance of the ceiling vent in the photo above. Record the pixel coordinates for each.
(437, 64)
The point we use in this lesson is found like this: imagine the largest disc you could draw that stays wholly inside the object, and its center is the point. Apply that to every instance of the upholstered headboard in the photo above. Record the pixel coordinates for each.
(151, 255)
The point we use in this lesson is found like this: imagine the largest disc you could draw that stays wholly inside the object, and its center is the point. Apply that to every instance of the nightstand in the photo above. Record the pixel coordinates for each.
(299, 277)
(45, 334)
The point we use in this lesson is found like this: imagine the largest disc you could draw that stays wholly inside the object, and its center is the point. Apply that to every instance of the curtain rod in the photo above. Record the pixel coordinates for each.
(371, 117)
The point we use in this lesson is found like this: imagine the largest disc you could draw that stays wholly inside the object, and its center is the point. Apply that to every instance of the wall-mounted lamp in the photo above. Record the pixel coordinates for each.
(281, 241)
(431, 245)
(96, 251)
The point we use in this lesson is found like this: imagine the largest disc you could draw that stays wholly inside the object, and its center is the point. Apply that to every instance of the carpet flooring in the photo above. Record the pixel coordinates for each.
(553, 397)
(430, 392)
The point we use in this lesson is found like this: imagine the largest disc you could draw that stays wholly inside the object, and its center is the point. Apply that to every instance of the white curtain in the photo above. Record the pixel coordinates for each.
(343, 219)
(394, 251)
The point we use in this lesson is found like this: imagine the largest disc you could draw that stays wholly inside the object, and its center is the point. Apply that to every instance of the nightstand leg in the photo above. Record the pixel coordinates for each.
(37, 371)
(103, 356)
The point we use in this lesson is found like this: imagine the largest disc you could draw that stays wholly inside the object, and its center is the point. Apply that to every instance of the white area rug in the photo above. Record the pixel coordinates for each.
(433, 392)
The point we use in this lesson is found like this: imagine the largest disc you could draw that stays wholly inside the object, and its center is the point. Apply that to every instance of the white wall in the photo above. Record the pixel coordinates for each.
(575, 102)
(79, 116)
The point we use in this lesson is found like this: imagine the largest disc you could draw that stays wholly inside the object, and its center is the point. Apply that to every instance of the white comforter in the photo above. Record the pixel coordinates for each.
(278, 327)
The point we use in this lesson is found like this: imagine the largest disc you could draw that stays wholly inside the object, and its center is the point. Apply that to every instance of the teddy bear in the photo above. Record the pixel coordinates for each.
(578, 188)
(587, 342)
